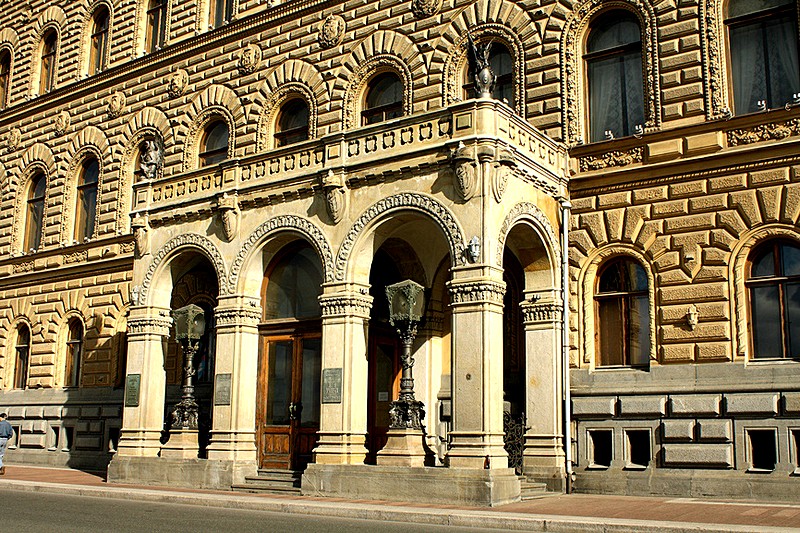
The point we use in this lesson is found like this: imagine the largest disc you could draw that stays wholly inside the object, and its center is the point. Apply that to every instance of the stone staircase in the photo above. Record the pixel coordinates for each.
(272, 481)
(531, 490)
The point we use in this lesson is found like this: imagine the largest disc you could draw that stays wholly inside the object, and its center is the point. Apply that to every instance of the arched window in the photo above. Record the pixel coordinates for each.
(214, 144)
(622, 315)
(47, 73)
(34, 216)
(292, 124)
(762, 37)
(384, 99)
(86, 200)
(98, 41)
(773, 288)
(221, 12)
(5, 77)
(72, 361)
(22, 357)
(503, 67)
(156, 25)
(614, 74)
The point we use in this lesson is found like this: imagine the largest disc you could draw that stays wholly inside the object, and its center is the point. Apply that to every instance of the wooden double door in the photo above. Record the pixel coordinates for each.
(288, 399)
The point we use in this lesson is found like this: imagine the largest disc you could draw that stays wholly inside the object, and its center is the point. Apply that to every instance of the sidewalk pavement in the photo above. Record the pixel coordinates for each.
(576, 512)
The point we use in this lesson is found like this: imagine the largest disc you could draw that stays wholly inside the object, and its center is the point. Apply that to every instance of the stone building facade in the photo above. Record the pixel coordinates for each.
(279, 164)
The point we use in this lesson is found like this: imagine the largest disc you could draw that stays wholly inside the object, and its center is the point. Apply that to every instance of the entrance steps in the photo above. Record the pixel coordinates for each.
(272, 481)
(531, 490)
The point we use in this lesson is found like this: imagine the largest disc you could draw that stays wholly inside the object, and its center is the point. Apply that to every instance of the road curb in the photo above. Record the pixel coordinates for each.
(454, 517)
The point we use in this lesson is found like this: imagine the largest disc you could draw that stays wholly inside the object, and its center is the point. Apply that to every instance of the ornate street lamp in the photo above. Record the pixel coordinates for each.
(406, 309)
(190, 324)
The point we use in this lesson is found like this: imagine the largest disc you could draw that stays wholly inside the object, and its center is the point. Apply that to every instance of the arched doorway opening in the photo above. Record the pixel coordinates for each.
(290, 358)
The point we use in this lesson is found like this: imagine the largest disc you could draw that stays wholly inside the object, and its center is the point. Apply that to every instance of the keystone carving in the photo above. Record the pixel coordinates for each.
(230, 214)
(62, 122)
(178, 83)
(425, 8)
(335, 191)
(331, 31)
(249, 59)
(141, 235)
(115, 103)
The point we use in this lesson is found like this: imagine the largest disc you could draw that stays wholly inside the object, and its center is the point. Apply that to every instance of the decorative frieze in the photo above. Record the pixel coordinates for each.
(533, 313)
(348, 304)
(80, 256)
(26, 266)
(616, 158)
(474, 292)
(774, 131)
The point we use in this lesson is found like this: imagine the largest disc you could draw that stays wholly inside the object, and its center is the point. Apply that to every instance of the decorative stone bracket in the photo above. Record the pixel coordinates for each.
(335, 191)
(473, 164)
(141, 235)
(230, 214)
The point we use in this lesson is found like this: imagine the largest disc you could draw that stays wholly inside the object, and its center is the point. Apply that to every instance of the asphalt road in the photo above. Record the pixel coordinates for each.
(30, 512)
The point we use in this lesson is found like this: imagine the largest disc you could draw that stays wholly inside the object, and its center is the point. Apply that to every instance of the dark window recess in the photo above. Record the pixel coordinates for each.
(601, 448)
(639, 448)
(796, 441)
(16, 438)
(763, 453)
(69, 438)
(113, 439)
(56, 433)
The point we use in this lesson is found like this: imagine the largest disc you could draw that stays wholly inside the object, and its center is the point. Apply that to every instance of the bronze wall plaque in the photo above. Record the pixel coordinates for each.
(132, 386)
(222, 389)
(332, 385)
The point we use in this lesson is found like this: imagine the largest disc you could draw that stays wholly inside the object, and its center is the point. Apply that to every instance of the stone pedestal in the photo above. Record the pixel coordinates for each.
(182, 444)
(405, 447)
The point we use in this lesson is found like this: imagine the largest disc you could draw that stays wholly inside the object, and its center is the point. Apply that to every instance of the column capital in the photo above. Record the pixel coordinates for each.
(353, 304)
(237, 311)
(540, 312)
(149, 321)
(476, 291)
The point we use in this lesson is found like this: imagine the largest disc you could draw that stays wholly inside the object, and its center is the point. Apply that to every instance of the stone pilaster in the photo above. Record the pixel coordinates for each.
(343, 424)
(143, 412)
(476, 298)
(235, 379)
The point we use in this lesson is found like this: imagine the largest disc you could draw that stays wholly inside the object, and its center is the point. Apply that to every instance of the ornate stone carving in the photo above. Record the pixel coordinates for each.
(349, 304)
(298, 224)
(417, 201)
(134, 294)
(465, 170)
(472, 164)
(425, 8)
(335, 190)
(178, 83)
(331, 31)
(61, 123)
(249, 59)
(127, 247)
(13, 139)
(158, 325)
(247, 316)
(522, 211)
(617, 158)
(26, 266)
(471, 292)
(80, 256)
(774, 131)
(141, 235)
(540, 312)
(151, 159)
(229, 213)
(482, 73)
(186, 240)
(715, 76)
(115, 103)
(503, 166)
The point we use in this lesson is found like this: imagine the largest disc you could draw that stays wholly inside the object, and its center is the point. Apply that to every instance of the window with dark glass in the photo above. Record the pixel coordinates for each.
(221, 11)
(22, 357)
(35, 213)
(614, 74)
(773, 287)
(72, 363)
(5, 77)
(763, 44)
(622, 315)
(214, 144)
(292, 124)
(156, 25)
(503, 67)
(384, 99)
(47, 74)
(86, 206)
(98, 41)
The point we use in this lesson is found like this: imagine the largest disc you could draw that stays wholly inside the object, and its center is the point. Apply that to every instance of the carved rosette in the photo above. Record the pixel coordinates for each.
(230, 215)
(61, 123)
(249, 59)
(616, 158)
(178, 83)
(466, 171)
(352, 304)
(425, 8)
(476, 292)
(331, 31)
(13, 139)
(141, 235)
(503, 166)
(335, 190)
(115, 103)
(156, 325)
(538, 313)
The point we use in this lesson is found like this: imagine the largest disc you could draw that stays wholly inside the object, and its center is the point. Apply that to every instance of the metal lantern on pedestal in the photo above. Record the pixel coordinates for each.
(190, 324)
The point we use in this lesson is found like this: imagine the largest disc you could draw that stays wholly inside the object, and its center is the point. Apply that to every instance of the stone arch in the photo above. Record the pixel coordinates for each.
(51, 18)
(573, 80)
(531, 214)
(9, 338)
(382, 50)
(737, 270)
(505, 22)
(10, 38)
(440, 214)
(173, 248)
(86, 32)
(214, 101)
(586, 288)
(283, 223)
(9, 42)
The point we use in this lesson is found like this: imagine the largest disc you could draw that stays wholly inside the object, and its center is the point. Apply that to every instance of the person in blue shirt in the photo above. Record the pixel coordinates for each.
(6, 432)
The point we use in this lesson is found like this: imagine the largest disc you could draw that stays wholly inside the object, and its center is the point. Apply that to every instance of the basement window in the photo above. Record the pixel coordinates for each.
(113, 440)
(13, 442)
(638, 449)
(600, 448)
(53, 437)
(763, 450)
(796, 443)
(68, 439)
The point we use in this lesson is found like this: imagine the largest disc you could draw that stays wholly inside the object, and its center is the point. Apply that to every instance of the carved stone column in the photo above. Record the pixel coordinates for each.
(143, 411)
(543, 456)
(343, 424)
(476, 299)
(235, 380)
